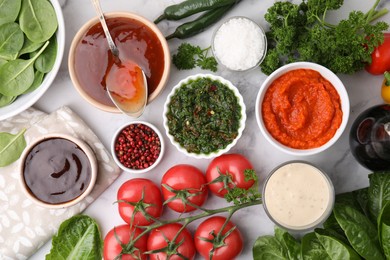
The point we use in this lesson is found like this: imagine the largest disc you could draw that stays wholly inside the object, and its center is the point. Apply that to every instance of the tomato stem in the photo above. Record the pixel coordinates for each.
(387, 78)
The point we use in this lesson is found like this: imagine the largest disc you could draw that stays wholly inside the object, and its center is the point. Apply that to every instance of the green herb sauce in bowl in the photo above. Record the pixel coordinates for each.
(204, 116)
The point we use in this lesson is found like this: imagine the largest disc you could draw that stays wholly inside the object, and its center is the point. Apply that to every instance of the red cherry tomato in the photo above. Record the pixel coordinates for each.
(139, 194)
(233, 165)
(230, 245)
(158, 239)
(113, 249)
(184, 178)
(380, 57)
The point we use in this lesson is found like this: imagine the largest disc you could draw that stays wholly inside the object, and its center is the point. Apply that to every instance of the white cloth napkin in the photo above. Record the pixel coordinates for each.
(24, 226)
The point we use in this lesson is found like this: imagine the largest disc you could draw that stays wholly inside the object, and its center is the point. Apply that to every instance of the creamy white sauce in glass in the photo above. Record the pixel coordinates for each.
(298, 196)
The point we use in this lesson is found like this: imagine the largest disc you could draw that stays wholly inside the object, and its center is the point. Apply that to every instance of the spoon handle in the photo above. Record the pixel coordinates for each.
(111, 43)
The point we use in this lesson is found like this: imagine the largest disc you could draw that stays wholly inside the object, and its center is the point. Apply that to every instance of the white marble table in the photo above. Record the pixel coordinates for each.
(338, 162)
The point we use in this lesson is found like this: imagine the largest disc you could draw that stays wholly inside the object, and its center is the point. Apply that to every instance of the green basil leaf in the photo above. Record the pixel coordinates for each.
(46, 60)
(5, 100)
(77, 238)
(11, 147)
(384, 229)
(38, 20)
(29, 46)
(9, 10)
(38, 78)
(268, 247)
(335, 248)
(17, 76)
(11, 40)
(312, 249)
(361, 233)
(292, 246)
(378, 192)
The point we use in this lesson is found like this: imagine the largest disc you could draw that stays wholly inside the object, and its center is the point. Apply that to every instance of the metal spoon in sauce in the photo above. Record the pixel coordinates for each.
(125, 81)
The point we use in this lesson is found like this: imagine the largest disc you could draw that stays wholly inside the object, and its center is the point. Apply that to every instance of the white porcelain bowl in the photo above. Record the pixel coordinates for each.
(327, 74)
(242, 119)
(26, 100)
(131, 170)
(90, 155)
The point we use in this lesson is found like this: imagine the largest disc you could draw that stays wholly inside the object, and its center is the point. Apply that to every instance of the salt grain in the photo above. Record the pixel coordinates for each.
(239, 44)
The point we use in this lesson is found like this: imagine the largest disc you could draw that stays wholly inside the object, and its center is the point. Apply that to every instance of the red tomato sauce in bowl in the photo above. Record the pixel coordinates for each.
(135, 41)
(301, 109)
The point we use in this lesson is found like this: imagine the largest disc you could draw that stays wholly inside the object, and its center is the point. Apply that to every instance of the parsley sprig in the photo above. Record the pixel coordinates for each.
(190, 56)
(300, 32)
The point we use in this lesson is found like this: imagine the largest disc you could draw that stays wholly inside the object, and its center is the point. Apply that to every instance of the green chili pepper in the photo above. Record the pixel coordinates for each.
(190, 7)
(200, 24)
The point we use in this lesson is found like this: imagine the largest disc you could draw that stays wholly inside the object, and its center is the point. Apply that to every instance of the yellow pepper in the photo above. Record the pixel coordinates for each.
(385, 91)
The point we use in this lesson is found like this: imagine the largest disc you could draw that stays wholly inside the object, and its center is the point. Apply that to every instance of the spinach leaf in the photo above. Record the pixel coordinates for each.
(384, 229)
(38, 20)
(268, 247)
(4, 100)
(9, 10)
(335, 248)
(361, 233)
(11, 40)
(38, 78)
(2, 62)
(18, 75)
(29, 46)
(378, 192)
(46, 60)
(312, 249)
(77, 238)
(292, 246)
(11, 147)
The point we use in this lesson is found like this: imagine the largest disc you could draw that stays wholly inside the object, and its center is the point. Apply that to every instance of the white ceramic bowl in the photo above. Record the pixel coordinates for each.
(83, 146)
(327, 74)
(25, 101)
(242, 120)
(130, 170)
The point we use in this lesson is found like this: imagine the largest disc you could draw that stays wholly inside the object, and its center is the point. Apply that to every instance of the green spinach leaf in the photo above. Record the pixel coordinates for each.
(11, 40)
(38, 79)
(11, 147)
(77, 238)
(38, 20)
(46, 60)
(2, 62)
(378, 192)
(29, 46)
(4, 100)
(312, 249)
(335, 248)
(292, 246)
(361, 233)
(384, 229)
(9, 10)
(18, 75)
(268, 247)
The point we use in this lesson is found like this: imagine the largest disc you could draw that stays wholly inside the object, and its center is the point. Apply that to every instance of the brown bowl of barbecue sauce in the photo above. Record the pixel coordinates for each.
(58, 171)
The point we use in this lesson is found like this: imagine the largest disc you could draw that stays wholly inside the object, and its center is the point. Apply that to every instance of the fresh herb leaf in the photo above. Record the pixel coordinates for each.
(11, 147)
(77, 238)
(299, 32)
(268, 247)
(189, 56)
(312, 249)
(384, 229)
(378, 192)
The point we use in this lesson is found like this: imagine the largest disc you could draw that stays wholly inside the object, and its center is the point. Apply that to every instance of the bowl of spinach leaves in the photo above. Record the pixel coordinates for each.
(32, 42)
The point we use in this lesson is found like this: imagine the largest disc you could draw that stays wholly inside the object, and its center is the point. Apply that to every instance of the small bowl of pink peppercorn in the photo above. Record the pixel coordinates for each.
(137, 147)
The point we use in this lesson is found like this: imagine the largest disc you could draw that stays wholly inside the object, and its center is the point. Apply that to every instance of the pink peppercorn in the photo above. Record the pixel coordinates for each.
(137, 146)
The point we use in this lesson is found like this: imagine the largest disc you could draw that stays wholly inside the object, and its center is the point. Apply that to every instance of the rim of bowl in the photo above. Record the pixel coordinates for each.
(328, 75)
(27, 100)
(162, 147)
(242, 119)
(324, 215)
(85, 148)
(264, 39)
(95, 20)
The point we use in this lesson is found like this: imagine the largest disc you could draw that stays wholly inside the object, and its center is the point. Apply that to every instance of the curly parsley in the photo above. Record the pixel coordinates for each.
(299, 32)
(189, 56)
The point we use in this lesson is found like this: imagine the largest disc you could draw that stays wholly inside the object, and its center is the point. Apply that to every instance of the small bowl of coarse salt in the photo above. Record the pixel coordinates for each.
(239, 44)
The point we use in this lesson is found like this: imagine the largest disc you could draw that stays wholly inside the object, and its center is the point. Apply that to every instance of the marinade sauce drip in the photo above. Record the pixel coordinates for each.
(56, 170)
(135, 42)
